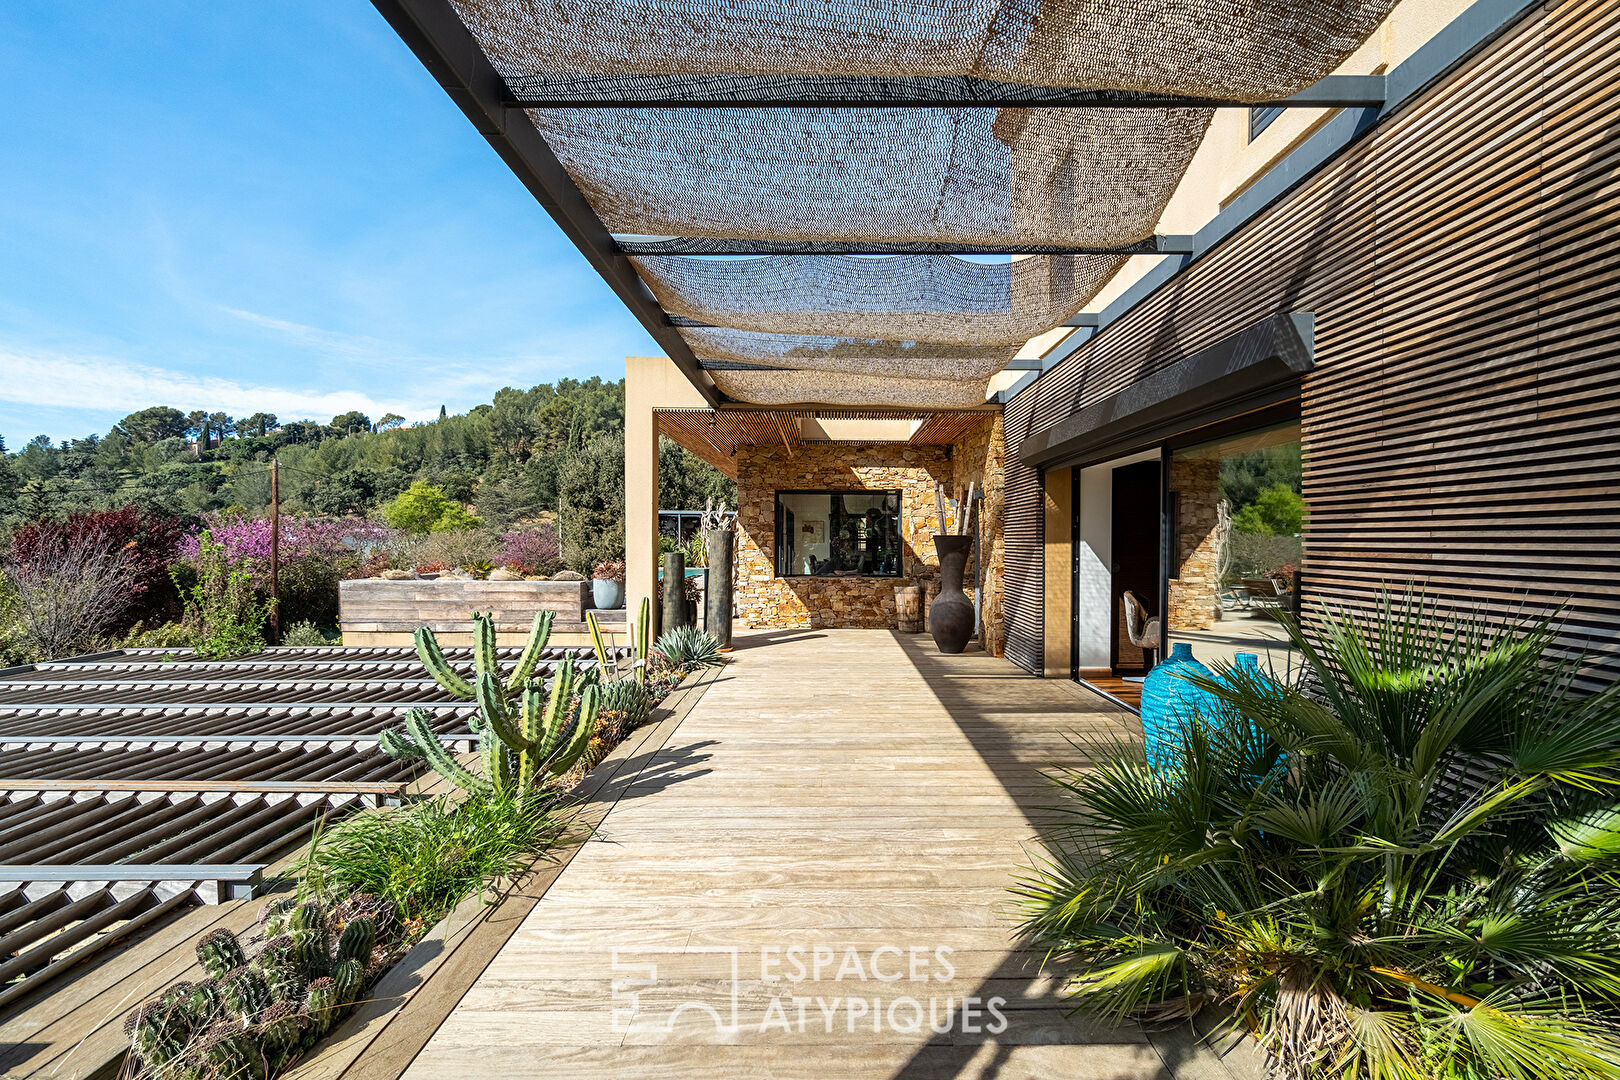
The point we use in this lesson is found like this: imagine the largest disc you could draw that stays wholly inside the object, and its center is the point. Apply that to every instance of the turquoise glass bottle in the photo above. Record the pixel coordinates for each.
(1169, 702)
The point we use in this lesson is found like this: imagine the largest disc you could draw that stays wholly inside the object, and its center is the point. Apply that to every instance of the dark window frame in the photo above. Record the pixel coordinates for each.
(900, 560)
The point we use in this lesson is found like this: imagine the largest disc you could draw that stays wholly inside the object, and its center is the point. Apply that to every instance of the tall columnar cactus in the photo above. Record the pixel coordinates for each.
(641, 638)
(598, 642)
(518, 744)
(484, 656)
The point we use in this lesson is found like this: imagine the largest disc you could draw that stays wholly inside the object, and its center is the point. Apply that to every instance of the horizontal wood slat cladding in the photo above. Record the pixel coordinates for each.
(1463, 266)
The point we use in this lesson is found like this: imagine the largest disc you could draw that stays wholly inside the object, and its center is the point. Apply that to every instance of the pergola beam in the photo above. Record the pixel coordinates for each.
(642, 91)
(434, 32)
(1085, 318)
(703, 245)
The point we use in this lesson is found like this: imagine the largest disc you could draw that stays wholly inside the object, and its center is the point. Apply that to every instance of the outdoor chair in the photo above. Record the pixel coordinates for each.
(1141, 628)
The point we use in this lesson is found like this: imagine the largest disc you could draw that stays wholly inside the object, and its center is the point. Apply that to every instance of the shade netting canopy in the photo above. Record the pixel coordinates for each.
(603, 77)
(1244, 50)
(938, 298)
(1075, 177)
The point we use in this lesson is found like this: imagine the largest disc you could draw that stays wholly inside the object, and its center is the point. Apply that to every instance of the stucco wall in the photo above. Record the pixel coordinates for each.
(765, 600)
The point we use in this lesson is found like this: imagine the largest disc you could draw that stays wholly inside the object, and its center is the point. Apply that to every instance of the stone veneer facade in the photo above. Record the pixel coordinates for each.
(1195, 588)
(767, 601)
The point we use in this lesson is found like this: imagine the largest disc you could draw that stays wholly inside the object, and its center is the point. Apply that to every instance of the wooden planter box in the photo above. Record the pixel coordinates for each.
(374, 611)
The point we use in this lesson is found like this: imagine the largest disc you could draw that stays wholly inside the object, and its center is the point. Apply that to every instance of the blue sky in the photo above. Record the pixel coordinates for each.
(246, 206)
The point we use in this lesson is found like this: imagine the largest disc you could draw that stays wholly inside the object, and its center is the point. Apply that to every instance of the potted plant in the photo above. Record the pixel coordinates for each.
(607, 585)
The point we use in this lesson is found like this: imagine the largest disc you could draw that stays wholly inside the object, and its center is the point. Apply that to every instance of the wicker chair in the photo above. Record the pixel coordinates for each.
(1142, 629)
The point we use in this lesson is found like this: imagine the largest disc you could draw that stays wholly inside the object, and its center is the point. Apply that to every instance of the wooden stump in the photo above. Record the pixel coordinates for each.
(908, 608)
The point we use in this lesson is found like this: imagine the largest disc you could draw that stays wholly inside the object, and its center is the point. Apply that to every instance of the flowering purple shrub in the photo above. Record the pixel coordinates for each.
(315, 555)
(536, 550)
(248, 539)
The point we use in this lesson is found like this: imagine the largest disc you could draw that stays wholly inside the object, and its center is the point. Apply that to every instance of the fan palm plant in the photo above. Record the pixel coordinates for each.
(1408, 866)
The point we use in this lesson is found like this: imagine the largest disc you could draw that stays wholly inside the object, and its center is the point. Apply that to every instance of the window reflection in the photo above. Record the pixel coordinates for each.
(838, 534)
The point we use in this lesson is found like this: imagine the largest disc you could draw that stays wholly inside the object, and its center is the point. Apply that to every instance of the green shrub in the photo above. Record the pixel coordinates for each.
(424, 508)
(1407, 868)
(427, 857)
(223, 611)
(459, 548)
(304, 634)
(592, 488)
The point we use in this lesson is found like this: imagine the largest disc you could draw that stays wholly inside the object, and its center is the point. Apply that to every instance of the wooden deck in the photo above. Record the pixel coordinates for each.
(843, 799)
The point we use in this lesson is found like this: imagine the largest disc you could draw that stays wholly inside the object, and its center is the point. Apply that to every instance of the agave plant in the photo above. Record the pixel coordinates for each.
(1406, 867)
(689, 647)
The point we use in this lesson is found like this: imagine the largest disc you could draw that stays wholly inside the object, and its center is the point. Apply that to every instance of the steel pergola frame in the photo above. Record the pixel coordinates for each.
(496, 106)
(434, 32)
(888, 92)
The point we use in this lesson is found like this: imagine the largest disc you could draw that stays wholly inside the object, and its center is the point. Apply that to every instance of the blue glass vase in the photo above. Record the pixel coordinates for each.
(1169, 702)
(1246, 671)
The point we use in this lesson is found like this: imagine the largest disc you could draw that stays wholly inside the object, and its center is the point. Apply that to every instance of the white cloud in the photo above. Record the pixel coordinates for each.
(55, 380)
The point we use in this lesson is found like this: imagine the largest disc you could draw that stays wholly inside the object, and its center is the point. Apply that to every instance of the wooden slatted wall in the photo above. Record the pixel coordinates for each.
(1023, 529)
(1463, 267)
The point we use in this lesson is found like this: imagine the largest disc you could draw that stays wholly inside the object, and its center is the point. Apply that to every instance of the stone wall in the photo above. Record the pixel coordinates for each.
(978, 456)
(765, 600)
(1195, 587)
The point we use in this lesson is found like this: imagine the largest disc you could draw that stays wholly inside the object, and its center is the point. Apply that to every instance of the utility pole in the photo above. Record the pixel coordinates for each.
(275, 553)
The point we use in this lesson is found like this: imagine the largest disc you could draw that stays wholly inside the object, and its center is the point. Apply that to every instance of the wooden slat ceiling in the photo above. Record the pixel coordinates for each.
(715, 436)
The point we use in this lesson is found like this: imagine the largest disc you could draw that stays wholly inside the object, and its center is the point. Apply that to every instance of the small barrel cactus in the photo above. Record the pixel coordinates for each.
(283, 970)
(280, 1029)
(348, 977)
(322, 1004)
(247, 993)
(356, 940)
(382, 913)
(274, 915)
(202, 1005)
(220, 952)
(156, 1032)
(312, 938)
(233, 1052)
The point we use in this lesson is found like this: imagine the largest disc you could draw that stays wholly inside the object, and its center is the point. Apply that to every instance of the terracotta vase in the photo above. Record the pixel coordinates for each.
(950, 616)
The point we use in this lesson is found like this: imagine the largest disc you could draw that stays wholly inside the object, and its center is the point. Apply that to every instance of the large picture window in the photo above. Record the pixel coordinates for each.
(838, 534)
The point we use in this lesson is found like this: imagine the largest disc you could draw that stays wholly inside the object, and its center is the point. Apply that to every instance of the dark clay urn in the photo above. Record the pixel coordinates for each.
(950, 616)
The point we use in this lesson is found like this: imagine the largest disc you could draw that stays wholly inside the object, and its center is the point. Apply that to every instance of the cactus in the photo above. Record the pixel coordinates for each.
(220, 952)
(539, 633)
(156, 1033)
(598, 642)
(280, 1030)
(233, 1052)
(322, 1003)
(356, 940)
(641, 638)
(432, 657)
(311, 938)
(283, 971)
(383, 915)
(347, 979)
(627, 697)
(519, 744)
(201, 1004)
(273, 916)
(247, 993)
